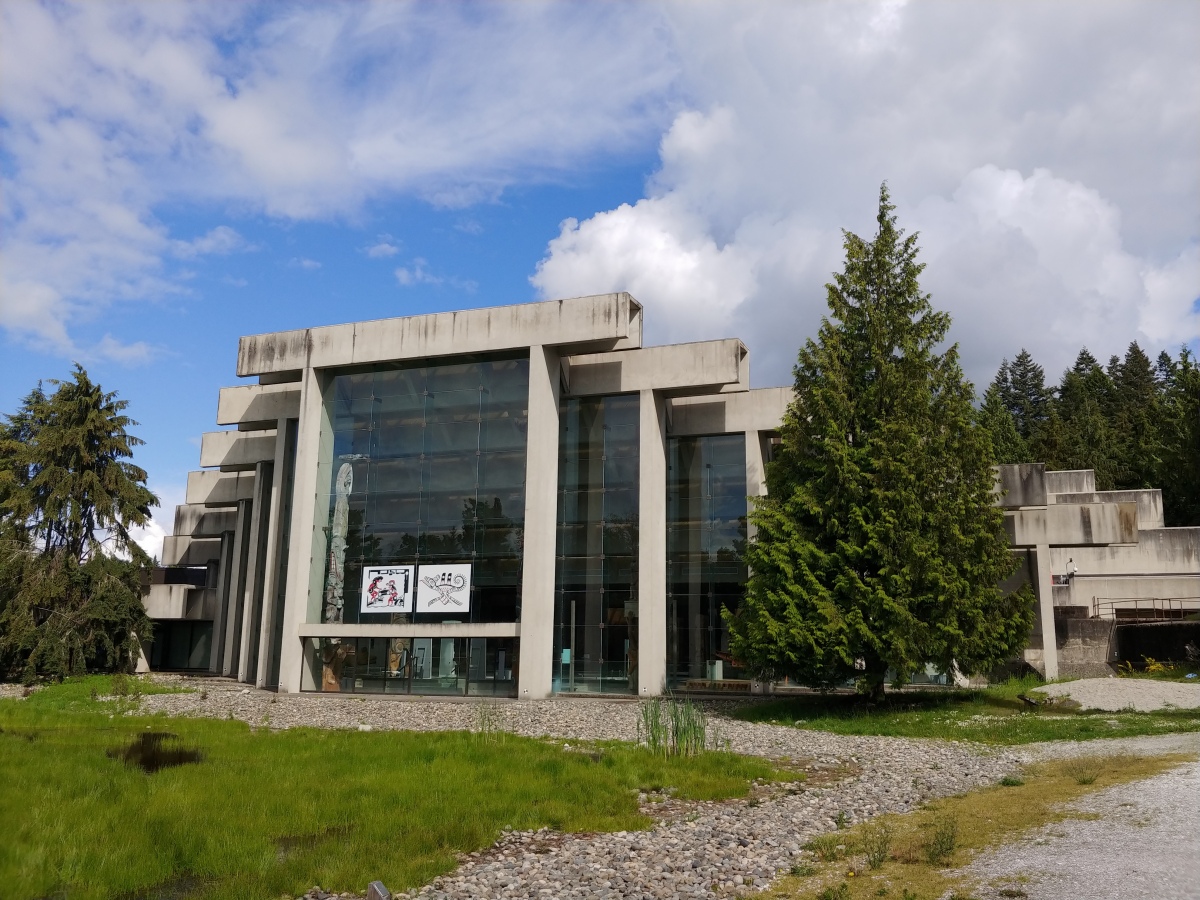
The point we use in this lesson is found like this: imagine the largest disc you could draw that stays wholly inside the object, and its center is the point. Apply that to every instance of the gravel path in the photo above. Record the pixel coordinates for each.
(695, 849)
(1116, 694)
(1147, 844)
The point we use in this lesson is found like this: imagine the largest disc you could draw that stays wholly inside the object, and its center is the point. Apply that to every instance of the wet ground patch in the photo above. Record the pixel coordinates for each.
(152, 751)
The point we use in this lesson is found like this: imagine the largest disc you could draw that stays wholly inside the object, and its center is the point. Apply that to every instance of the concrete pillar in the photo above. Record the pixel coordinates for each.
(541, 532)
(652, 545)
(306, 555)
(237, 590)
(260, 517)
(273, 557)
(225, 604)
(1045, 597)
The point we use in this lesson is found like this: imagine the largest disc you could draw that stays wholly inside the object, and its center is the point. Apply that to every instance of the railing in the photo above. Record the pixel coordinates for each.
(1144, 609)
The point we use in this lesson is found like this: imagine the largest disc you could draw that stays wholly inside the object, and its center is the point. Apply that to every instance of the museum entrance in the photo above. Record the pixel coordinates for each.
(425, 666)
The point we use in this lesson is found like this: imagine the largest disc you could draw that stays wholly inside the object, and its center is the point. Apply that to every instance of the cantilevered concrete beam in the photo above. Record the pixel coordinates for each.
(600, 322)
(214, 489)
(1080, 524)
(197, 520)
(258, 407)
(705, 367)
(188, 551)
(236, 451)
(761, 409)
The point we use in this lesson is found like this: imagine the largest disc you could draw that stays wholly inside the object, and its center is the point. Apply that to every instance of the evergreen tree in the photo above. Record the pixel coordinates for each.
(878, 546)
(1083, 404)
(1179, 472)
(1027, 397)
(1136, 420)
(1007, 444)
(67, 492)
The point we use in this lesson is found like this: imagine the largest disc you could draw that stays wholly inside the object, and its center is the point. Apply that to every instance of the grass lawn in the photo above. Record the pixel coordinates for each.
(914, 855)
(263, 813)
(993, 715)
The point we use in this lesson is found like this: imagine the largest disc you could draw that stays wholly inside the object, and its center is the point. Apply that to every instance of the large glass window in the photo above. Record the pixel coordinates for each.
(596, 595)
(706, 535)
(440, 665)
(428, 466)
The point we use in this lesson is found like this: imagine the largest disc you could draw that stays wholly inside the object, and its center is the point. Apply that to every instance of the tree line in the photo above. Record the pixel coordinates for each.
(1135, 422)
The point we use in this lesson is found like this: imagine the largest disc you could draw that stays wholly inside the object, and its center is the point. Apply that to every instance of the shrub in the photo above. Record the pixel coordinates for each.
(827, 847)
(940, 841)
(1011, 781)
(1084, 771)
(876, 843)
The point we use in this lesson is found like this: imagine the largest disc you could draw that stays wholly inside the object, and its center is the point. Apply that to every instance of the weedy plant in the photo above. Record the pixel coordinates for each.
(827, 847)
(1084, 771)
(835, 892)
(940, 840)
(802, 870)
(841, 820)
(672, 727)
(1011, 781)
(487, 721)
(876, 844)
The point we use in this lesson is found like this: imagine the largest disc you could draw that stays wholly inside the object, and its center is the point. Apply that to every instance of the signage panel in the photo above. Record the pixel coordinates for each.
(444, 588)
(388, 589)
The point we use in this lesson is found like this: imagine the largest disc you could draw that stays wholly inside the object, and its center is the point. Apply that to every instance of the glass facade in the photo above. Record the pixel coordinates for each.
(440, 665)
(596, 590)
(428, 466)
(706, 535)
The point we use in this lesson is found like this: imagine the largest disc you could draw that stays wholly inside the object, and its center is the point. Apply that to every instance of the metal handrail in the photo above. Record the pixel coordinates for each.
(1145, 609)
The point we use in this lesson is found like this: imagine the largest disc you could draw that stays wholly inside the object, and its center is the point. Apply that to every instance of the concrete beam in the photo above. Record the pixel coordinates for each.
(257, 407)
(1023, 484)
(427, 630)
(1149, 503)
(217, 489)
(197, 520)
(1071, 481)
(1078, 524)
(703, 367)
(761, 409)
(189, 551)
(605, 321)
(236, 451)
(180, 601)
(1158, 551)
(1086, 590)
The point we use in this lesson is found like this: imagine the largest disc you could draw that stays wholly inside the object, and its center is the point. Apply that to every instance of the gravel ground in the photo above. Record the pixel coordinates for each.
(1116, 694)
(1147, 844)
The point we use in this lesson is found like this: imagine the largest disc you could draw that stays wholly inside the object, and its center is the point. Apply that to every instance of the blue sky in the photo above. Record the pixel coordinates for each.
(175, 175)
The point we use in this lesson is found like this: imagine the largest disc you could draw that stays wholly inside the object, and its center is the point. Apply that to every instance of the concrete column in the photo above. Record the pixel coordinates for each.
(756, 475)
(237, 590)
(652, 545)
(225, 603)
(1045, 597)
(306, 554)
(260, 516)
(270, 582)
(541, 532)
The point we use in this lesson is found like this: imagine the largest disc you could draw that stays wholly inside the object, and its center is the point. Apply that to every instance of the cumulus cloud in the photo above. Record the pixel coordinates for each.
(383, 249)
(303, 262)
(1047, 158)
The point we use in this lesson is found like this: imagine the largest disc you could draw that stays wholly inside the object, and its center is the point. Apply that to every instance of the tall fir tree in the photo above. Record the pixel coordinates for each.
(1026, 394)
(1083, 404)
(68, 493)
(878, 546)
(1007, 444)
(1179, 467)
(1136, 420)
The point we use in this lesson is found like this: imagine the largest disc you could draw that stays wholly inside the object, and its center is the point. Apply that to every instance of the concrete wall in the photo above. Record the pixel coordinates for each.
(180, 601)
(1149, 503)
(1074, 524)
(188, 551)
(214, 489)
(1085, 647)
(604, 321)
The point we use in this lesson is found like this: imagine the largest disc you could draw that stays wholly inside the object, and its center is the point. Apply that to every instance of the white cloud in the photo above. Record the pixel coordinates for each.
(108, 112)
(417, 272)
(383, 249)
(1048, 158)
(150, 536)
(303, 262)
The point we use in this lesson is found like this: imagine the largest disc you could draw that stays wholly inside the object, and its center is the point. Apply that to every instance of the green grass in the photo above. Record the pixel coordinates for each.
(1160, 671)
(266, 812)
(993, 715)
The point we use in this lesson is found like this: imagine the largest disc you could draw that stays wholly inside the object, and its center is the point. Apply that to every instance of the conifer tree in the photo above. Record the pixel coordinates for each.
(878, 546)
(1027, 397)
(1179, 473)
(1007, 444)
(68, 492)
(1136, 420)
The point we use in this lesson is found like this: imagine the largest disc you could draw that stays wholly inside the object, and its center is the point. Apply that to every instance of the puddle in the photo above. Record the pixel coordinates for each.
(291, 844)
(156, 750)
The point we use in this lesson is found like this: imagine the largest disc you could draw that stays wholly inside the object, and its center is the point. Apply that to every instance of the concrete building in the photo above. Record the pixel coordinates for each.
(1093, 556)
(517, 501)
